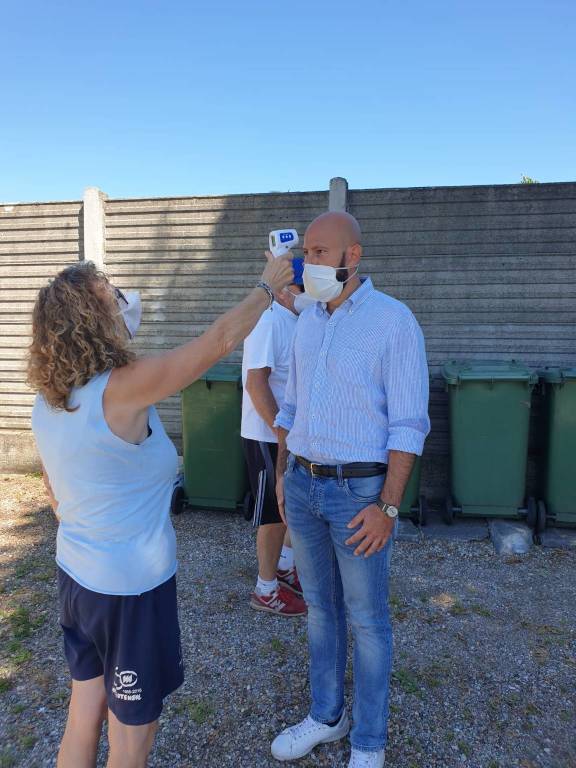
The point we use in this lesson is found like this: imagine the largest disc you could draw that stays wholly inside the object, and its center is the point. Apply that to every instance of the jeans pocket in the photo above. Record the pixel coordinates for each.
(364, 489)
(290, 461)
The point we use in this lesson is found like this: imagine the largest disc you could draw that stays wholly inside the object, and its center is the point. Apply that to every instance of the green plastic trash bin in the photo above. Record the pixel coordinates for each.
(489, 424)
(214, 468)
(414, 504)
(558, 466)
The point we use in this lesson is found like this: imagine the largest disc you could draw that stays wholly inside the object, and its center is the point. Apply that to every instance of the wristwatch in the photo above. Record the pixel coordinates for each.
(388, 509)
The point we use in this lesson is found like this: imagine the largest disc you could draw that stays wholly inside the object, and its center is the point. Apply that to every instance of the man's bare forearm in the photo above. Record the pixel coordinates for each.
(282, 452)
(258, 387)
(399, 469)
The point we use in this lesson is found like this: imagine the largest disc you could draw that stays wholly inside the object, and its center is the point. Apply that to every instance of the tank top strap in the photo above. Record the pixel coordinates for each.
(93, 393)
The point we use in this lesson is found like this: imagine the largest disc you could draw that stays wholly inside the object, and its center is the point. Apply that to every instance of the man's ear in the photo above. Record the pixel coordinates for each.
(354, 254)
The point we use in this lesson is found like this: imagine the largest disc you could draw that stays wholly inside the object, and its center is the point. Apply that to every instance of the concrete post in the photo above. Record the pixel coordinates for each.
(94, 226)
(338, 197)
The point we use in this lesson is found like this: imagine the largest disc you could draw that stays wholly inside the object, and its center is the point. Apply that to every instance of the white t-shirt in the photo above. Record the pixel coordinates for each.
(268, 346)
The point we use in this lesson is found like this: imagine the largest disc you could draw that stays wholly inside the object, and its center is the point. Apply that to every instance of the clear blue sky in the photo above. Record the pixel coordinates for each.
(181, 97)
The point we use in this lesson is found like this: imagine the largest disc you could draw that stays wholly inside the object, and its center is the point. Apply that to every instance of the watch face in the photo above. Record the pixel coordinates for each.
(392, 511)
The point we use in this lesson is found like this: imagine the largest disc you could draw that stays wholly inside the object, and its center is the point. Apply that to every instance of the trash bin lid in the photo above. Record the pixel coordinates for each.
(557, 375)
(457, 371)
(223, 372)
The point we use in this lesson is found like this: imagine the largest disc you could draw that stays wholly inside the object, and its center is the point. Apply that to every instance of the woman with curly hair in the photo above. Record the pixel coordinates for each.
(110, 469)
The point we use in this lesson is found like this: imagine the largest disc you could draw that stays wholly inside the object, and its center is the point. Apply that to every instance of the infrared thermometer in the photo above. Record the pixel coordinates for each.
(282, 240)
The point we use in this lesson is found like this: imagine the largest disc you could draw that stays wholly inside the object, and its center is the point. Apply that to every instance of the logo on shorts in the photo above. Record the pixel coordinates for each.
(126, 679)
(123, 687)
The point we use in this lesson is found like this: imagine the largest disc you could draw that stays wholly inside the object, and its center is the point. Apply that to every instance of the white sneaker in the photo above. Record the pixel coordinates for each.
(298, 740)
(361, 759)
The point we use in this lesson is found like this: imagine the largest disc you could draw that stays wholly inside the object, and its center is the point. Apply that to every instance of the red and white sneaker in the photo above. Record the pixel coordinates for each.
(282, 602)
(290, 580)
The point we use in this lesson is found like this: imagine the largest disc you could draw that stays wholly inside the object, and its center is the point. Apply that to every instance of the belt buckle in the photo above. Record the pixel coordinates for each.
(312, 465)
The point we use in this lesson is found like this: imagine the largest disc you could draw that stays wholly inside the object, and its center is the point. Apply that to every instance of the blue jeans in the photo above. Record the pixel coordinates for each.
(336, 582)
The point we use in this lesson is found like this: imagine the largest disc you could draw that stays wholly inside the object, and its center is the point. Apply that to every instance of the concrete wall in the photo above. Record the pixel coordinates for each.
(489, 271)
(193, 259)
(36, 241)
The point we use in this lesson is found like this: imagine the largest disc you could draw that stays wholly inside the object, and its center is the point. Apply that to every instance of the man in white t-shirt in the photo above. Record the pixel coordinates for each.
(267, 353)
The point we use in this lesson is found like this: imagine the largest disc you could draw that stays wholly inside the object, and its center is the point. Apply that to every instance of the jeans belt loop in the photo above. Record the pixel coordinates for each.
(312, 465)
(340, 476)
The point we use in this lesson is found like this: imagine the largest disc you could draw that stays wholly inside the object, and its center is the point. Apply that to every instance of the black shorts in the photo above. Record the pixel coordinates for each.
(261, 462)
(133, 640)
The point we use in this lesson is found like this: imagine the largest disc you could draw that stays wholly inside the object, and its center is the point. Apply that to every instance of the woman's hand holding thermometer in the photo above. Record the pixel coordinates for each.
(278, 272)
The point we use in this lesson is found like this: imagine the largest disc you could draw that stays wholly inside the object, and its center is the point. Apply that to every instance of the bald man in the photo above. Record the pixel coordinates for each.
(354, 417)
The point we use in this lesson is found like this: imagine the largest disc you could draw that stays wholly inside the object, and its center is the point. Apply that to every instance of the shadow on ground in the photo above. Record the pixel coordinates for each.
(484, 670)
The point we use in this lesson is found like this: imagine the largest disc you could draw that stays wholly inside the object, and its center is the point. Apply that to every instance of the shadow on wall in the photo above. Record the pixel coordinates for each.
(193, 259)
(488, 272)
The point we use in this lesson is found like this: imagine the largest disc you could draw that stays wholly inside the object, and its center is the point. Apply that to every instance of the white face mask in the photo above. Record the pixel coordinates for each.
(321, 282)
(301, 301)
(131, 309)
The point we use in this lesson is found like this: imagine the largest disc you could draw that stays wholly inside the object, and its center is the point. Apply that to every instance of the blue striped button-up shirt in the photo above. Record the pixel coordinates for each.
(358, 381)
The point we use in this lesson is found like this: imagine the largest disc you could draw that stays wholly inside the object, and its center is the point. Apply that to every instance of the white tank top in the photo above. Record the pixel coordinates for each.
(115, 534)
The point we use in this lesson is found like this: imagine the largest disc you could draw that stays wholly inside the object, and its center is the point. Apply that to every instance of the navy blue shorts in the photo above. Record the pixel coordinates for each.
(133, 640)
(261, 463)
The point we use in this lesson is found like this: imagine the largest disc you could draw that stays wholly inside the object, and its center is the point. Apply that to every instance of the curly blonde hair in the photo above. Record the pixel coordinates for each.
(74, 334)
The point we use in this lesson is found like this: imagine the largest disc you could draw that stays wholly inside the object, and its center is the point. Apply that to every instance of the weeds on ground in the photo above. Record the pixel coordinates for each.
(198, 710)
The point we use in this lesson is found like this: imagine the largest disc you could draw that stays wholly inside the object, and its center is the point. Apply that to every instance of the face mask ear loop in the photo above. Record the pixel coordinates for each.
(352, 275)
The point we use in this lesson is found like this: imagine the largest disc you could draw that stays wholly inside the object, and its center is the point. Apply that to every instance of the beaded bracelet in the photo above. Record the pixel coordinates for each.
(268, 290)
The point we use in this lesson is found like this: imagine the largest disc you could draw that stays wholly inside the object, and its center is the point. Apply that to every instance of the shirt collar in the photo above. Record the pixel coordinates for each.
(356, 299)
(277, 305)
(361, 293)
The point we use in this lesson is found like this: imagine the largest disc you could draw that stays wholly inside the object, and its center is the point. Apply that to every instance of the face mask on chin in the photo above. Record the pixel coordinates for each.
(130, 306)
(301, 301)
(321, 282)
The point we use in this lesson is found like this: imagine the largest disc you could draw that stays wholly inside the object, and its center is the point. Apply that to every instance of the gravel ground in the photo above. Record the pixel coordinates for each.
(485, 652)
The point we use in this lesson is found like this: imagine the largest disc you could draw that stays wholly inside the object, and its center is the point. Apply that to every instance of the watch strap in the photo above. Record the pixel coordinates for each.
(384, 506)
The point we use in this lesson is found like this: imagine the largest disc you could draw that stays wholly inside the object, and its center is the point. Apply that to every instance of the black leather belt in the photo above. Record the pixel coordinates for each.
(357, 469)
